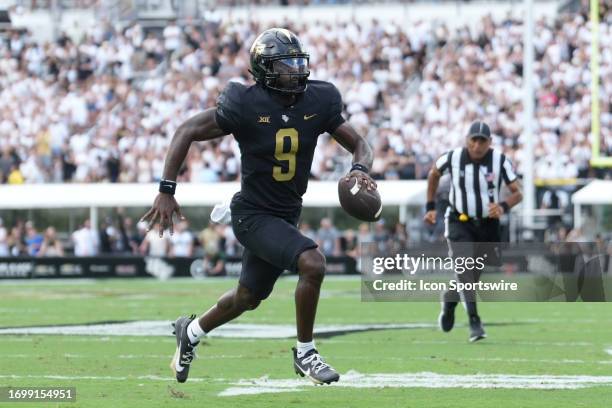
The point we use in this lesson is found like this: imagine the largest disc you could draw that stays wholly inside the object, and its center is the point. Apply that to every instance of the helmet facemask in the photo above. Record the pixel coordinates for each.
(287, 74)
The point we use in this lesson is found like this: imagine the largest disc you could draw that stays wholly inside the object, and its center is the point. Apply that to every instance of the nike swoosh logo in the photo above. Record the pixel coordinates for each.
(306, 117)
(178, 367)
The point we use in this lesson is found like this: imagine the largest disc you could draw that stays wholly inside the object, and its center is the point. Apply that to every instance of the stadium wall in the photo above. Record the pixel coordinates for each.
(135, 267)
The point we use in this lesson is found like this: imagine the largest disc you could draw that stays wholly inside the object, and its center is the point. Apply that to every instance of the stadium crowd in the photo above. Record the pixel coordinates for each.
(105, 107)
(216, 243)
(120, 235)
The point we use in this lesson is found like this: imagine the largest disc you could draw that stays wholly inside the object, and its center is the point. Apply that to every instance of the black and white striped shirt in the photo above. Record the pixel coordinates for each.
(475, 185)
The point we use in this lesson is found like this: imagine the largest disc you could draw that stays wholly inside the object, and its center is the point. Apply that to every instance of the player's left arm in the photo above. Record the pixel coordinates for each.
(363, 156)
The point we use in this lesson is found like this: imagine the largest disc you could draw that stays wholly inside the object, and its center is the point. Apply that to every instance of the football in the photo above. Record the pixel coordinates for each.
(358, 201)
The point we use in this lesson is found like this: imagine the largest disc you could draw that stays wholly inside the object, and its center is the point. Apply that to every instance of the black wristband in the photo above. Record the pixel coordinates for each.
(167, 187)
(505, 206)
(360, 167)
(430, 206)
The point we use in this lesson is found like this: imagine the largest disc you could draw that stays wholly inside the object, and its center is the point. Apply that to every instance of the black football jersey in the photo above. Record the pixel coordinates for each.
(276, 142)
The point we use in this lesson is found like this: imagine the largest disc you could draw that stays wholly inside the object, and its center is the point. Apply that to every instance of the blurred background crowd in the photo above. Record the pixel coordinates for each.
(122, 235)
(104, 107)
(119, 235)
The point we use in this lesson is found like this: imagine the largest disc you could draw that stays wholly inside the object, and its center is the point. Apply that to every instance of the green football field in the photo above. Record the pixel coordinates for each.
(537, 354)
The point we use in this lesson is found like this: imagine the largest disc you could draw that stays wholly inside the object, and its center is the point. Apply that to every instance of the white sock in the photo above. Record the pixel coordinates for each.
(303, 348)
(194, 331)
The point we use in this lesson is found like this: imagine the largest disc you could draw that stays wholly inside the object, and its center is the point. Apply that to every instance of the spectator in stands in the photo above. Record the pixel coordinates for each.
(381, 236)
(213, 239)
(210, 239)
(328, 238)
(33, 239)
(86, 240)
(17, 246)
(399, 238)
(182, 240)
(15, 176)
(576, 235)
(108, 236)
(4, 240)
(6, 164)
(214, 264)
(364, 236)
(154, 245)
(172, 38)
(349, 243)
(51, 245)
(130, 239)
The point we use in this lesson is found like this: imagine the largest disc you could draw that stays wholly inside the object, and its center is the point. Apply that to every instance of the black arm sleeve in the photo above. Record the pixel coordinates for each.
(228, 108)
(335, 118)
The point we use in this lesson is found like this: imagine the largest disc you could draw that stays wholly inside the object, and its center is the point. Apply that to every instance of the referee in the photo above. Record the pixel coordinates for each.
(477, 172)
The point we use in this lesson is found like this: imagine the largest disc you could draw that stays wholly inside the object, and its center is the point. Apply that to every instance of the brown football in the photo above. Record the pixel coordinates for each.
(358, 201)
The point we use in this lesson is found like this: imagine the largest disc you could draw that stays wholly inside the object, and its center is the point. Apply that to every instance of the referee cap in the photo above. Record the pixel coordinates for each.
(479, 129)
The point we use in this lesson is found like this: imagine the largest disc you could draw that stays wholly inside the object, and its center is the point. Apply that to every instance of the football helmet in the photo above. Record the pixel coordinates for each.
(278, 61)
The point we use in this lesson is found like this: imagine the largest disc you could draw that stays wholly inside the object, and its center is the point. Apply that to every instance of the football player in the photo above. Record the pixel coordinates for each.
(276, 122)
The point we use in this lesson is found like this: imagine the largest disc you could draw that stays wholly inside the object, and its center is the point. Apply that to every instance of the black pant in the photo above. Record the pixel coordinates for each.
(482, 230)
(475, 238)
(271, 245)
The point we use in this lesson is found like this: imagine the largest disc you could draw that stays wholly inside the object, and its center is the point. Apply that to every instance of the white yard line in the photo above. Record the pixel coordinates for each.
(354, 379)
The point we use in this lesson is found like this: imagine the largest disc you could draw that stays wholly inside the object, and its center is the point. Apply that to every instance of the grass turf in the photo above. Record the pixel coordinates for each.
(524, 339)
